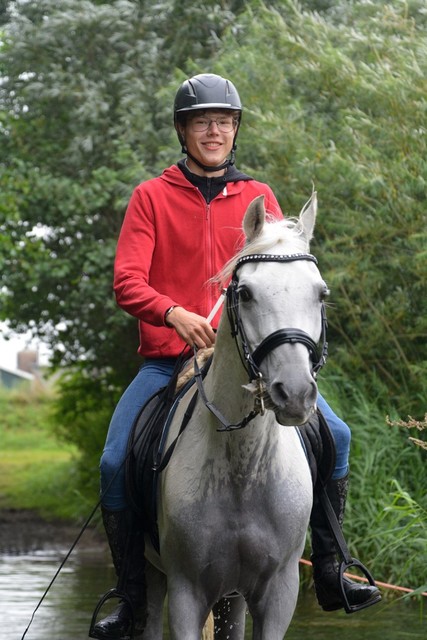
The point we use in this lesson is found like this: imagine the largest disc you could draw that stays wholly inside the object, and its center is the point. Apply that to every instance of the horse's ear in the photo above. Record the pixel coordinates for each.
(253, 221)
(307, 216)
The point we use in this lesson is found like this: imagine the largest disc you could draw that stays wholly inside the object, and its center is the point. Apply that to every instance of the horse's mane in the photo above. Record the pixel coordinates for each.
(284, 232)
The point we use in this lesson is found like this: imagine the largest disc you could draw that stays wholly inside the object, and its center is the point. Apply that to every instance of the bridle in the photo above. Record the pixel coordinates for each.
(252, 360)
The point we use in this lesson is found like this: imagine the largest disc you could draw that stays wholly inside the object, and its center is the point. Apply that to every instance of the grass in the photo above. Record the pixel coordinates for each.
(37, 472)
(386, 515)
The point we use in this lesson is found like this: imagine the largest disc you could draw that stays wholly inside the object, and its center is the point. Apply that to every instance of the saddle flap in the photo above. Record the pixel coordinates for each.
(319, 446)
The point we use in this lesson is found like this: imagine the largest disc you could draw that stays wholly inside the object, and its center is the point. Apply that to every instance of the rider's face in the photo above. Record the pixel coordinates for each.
(212, 146)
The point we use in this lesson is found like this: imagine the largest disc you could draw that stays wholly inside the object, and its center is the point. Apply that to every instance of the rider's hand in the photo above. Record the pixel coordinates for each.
(195, 330)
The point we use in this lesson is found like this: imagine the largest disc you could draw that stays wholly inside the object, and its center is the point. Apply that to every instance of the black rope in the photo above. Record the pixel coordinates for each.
(61, 566)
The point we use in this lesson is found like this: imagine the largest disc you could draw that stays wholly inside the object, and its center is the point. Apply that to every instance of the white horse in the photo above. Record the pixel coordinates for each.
(234, 503)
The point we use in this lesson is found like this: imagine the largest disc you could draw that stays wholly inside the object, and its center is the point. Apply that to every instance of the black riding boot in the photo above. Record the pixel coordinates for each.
(127, 550)
(325, 564)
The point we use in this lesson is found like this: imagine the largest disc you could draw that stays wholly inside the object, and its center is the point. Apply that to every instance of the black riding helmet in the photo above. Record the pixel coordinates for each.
(206, 91)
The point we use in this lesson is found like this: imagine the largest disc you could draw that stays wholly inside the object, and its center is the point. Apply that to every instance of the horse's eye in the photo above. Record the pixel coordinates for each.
(244, 294)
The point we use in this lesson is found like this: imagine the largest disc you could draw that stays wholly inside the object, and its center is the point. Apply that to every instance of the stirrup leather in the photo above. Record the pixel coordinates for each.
(347, 560)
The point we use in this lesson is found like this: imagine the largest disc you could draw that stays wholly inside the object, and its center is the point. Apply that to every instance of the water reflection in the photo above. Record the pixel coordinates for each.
(384, 621)
(67, 609)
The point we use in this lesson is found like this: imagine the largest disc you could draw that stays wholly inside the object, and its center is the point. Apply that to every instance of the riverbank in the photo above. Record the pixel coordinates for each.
(24, 531)
(39, 473)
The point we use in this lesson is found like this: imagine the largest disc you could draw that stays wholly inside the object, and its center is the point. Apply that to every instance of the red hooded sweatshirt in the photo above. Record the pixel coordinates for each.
(171, 244)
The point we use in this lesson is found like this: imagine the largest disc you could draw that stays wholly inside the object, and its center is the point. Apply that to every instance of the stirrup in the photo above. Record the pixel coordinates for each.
(344, 565)
(112, 593)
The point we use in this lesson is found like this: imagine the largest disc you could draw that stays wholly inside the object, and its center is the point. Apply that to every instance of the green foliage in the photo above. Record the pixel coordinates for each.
(85, 115)
(386, 514)
(419, 426)
(81, 415)
(343, 106)
(23, 409)
(406, 522)
(88, 115)
(4, 17)
(333, 94)
(81, 126)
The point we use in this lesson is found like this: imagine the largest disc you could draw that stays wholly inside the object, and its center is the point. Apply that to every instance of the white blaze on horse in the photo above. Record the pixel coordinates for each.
(234, 503)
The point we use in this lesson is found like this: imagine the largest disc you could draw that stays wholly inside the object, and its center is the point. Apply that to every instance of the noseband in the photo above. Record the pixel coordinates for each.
(252, 361)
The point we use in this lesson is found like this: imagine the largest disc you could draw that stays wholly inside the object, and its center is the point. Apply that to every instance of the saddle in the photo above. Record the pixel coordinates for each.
(147, 457)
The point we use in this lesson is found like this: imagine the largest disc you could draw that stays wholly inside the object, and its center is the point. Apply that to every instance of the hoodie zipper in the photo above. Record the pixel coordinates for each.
(209, 241)
(209, 252)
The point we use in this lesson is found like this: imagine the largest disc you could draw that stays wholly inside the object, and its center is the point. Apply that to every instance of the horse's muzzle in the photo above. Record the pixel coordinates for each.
(292, 407)
(286, 420)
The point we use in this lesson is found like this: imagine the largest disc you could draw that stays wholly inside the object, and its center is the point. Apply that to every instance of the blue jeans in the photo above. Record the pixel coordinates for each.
(152, 376)
(342, 436)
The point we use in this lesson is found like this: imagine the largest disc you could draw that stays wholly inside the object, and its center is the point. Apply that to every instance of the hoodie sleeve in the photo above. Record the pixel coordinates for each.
(133, 260)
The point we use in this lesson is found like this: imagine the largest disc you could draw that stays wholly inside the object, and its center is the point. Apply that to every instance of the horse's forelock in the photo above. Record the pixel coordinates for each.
(274, 232)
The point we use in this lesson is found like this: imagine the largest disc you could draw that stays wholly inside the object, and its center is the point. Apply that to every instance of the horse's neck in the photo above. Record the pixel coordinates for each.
(246, 452)
(227, 381)
(226, 377)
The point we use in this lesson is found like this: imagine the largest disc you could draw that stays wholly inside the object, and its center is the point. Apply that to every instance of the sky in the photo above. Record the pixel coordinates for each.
(9, 348)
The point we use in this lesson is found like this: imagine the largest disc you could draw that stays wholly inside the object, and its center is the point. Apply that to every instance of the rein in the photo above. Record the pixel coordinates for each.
(226, 425)
(252, 361)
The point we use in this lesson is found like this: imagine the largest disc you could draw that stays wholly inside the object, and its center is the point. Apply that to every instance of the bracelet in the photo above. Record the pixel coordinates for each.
(167, 312)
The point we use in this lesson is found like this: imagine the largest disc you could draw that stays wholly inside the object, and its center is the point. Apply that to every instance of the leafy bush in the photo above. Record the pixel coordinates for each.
(341, 103)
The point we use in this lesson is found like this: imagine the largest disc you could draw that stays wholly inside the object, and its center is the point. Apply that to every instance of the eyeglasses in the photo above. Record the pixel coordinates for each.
(225, 124)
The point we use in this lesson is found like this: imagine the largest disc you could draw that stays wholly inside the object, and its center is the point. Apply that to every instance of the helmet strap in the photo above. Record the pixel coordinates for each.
(205, 167)
(209, 169)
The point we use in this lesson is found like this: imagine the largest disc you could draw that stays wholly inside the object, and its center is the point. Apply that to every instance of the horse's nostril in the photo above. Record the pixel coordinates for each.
(283, 394)
(280, 393)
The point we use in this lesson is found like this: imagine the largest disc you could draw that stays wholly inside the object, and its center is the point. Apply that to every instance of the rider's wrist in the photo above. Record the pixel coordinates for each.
(167, 313)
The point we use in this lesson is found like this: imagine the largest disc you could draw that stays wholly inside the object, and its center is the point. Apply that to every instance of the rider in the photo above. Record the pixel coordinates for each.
(179, 230)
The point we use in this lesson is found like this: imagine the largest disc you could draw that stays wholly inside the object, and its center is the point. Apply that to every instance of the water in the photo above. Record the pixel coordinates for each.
(66, 611)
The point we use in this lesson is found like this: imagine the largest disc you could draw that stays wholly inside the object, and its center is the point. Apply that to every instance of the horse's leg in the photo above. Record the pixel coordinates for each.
(156, 593)
(230, 618)
(272, 614)
(187, 615)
